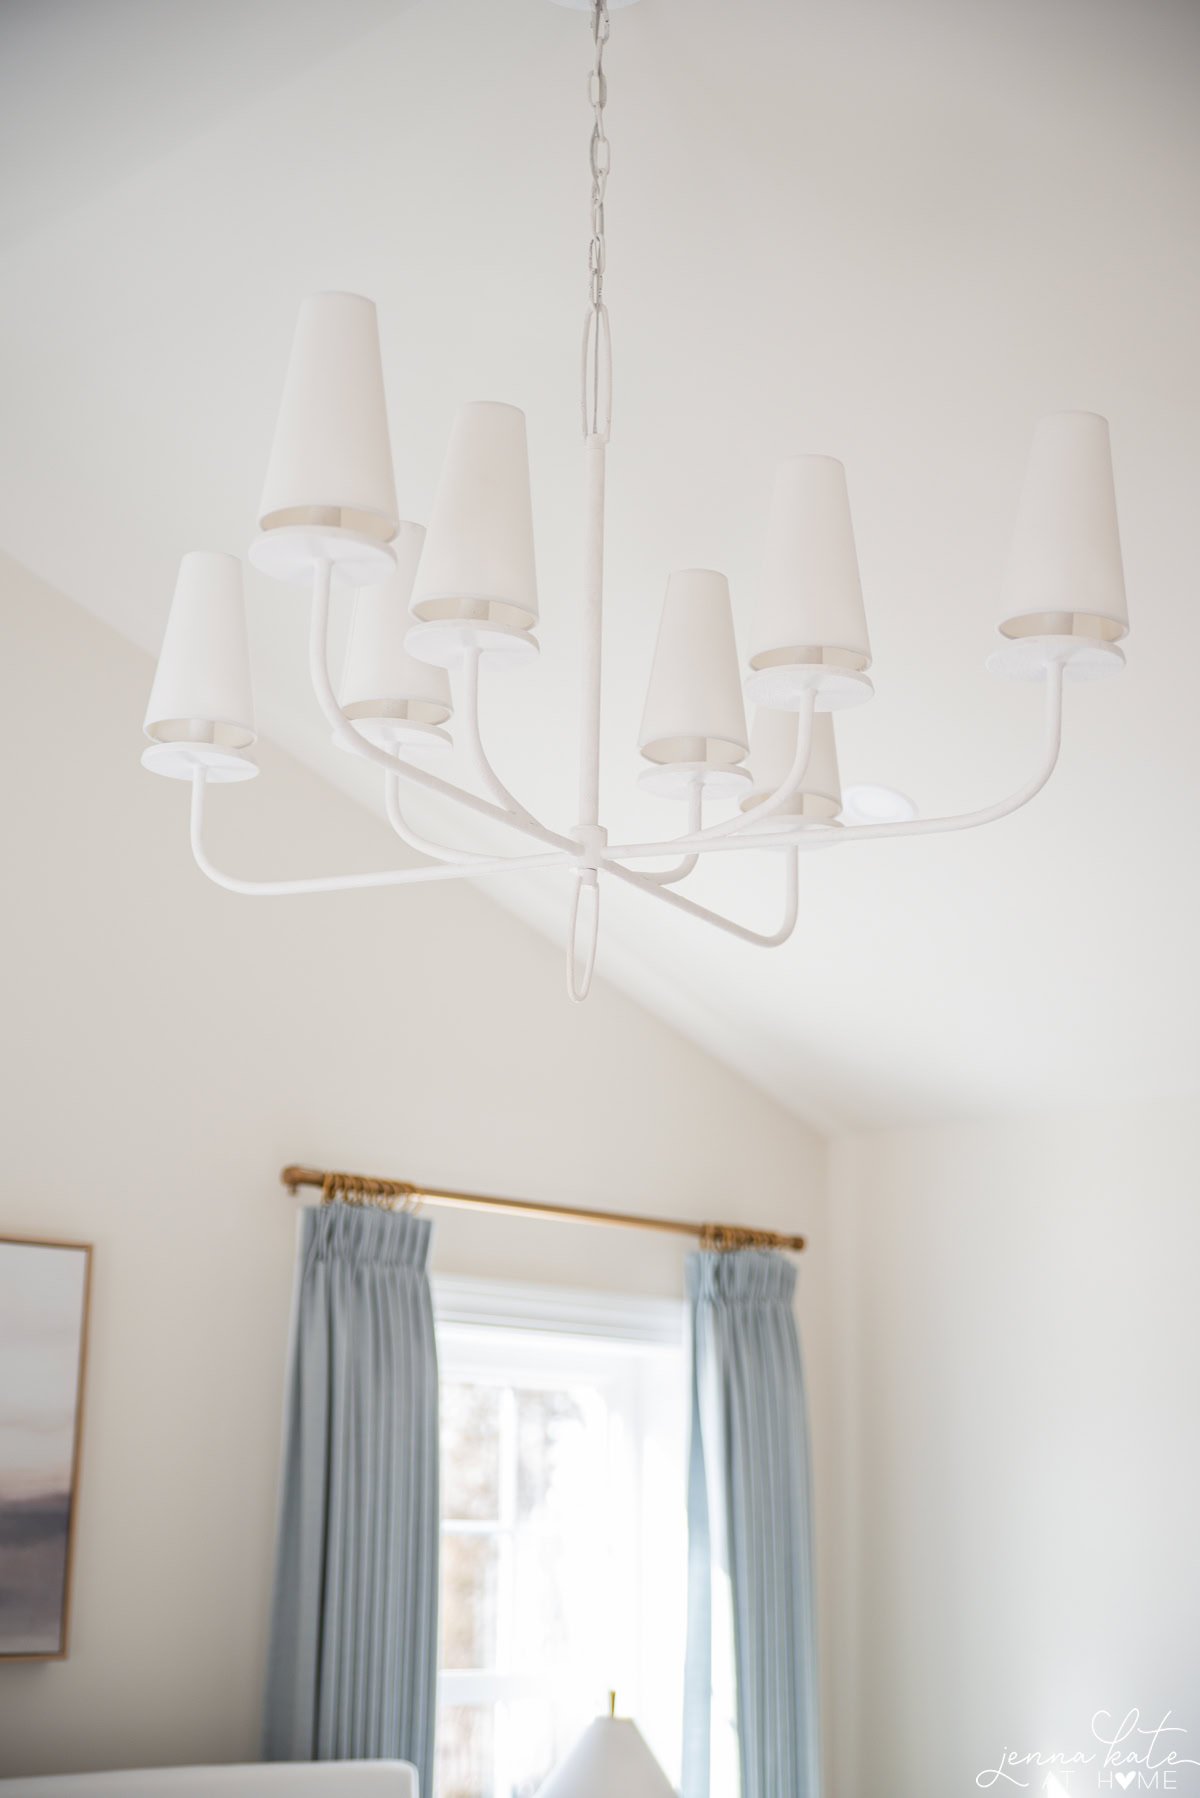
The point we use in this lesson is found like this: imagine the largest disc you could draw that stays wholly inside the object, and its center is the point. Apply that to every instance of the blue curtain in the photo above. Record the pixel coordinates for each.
(749, 1523)
(353, 1650)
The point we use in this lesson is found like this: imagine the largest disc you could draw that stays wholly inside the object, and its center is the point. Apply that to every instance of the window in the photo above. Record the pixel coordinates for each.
(563, 1528)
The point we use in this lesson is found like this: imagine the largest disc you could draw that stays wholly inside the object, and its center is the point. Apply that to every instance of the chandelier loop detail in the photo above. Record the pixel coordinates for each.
(460, 598)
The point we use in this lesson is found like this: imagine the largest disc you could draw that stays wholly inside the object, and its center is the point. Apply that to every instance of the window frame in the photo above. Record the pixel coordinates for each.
(591, 1329)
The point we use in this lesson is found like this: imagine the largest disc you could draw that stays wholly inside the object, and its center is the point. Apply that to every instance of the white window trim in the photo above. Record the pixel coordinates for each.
(565, 1311)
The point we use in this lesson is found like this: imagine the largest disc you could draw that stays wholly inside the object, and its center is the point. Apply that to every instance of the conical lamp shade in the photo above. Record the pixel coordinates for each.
(477, 568)
(610, 1760)
(331, 461)
(810, 607)
(201, 691)
(392, 698)
(773, 738)
(694, 710)
(1065, 577)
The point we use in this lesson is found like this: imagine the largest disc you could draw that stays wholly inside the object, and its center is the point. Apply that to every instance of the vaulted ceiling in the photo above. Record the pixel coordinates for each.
(895, 233)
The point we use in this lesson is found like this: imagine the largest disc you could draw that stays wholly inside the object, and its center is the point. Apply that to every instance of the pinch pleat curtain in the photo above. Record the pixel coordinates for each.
(749, 1525)
(352, 1666)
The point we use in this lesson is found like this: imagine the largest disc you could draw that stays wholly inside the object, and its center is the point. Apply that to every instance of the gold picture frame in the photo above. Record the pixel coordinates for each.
(45, 1302)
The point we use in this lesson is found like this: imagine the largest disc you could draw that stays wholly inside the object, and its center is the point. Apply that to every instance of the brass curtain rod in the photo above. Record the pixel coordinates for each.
(366, 1189)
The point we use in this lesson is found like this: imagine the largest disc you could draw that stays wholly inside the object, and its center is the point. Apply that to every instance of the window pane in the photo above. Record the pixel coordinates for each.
(470, 1452)
(533, 1748)
(562, 1550)
(469, 1580)
(559, 1544)
(550, 1440)
(465, 1751)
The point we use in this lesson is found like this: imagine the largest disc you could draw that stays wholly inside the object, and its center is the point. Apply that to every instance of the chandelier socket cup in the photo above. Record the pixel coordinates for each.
(676, 780)
(182, 761)
(773, 739)
(201, 691)
(405, 737)
(330, 467)
(783, 687)
(1082, 658)
(810, 607)
(478, 564)
(447, 645)
(291, 552)
(694, 712)
(1065, 576)
(866, 802)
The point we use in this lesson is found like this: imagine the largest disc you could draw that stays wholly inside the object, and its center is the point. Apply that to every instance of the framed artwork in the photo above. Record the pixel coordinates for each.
(43, 1348)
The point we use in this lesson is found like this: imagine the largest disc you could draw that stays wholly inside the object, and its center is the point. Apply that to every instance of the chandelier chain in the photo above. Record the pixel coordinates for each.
(597, 344)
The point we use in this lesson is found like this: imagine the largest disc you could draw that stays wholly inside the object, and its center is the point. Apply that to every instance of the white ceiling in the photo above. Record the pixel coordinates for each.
(894, 232)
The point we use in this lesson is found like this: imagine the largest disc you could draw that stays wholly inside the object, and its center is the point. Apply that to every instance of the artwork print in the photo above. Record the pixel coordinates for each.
(43, 1329)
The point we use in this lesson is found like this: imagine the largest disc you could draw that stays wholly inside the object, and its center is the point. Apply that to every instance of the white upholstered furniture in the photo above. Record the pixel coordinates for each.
(322, 1779)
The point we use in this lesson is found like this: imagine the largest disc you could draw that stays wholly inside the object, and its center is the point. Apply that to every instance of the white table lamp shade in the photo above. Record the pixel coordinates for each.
(201, 690)
(810, 608)
(478, 564)
(380, 679)
(773, 737)
(1064, 575)
(610, 1760)
(331, 460)
(694, 709)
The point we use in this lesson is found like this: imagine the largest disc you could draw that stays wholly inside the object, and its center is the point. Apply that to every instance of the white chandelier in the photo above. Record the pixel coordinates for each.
(461, 597)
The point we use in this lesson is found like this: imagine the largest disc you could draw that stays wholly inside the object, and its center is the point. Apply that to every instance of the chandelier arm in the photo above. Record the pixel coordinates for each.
(808, 837)
(925, 827)
(719, 835)
(318, 666)
(756, 937)
(344, 883)
(403, 829)
(853, 833)
(670, 876)
(474, 744)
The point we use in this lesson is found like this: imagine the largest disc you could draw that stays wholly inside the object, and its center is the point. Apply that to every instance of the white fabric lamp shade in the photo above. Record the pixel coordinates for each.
(330, 492)
(694, 712)
(773, 738)
(201, 690)
(810, 614)
(1065, 577)
(393, 699)
(477, 584)
(610, 1760)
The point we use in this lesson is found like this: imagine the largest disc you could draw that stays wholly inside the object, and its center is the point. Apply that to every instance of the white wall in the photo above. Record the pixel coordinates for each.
(1019, 1371)
(169, 1047)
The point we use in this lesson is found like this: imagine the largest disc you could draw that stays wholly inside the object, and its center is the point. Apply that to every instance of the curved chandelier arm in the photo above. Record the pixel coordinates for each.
(757, 937)
(718, 836)
(318, 666)
(474, 744)
(781, 795)
(669, 876)
(345, 883)
(989, 814)
(440, 852)
(915, 827)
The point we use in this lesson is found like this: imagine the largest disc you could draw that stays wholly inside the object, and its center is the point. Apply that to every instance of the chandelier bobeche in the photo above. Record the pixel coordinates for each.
(461, 598)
